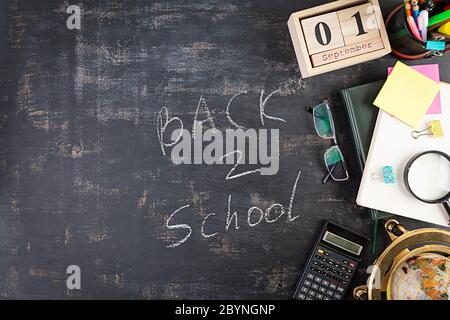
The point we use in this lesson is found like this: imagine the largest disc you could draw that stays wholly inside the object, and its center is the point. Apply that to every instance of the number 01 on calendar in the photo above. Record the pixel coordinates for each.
(337, 35)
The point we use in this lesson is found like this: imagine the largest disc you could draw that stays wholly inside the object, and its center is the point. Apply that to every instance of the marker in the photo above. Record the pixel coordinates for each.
(415, 9)
(408, 8)
(438, 19)
(428, 4)
(422, 22)
(413, 27)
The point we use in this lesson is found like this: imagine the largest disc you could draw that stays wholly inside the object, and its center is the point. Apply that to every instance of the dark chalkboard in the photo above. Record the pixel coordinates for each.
(84, 180)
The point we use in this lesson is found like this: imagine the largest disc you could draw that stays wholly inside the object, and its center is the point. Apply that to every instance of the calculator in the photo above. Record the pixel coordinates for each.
(331, 264)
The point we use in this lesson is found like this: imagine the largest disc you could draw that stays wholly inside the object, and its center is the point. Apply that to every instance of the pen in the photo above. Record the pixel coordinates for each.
(413, 27)
(422, 22)
(415, 9)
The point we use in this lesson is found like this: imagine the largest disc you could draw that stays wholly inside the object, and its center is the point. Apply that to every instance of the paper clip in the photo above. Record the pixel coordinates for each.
(387, 175)
(434, 129)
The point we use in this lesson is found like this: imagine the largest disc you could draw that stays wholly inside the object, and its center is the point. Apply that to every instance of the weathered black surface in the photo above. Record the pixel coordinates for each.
(83, 179)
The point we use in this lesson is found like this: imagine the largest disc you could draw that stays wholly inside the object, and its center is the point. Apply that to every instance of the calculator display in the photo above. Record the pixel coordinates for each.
(342, 243)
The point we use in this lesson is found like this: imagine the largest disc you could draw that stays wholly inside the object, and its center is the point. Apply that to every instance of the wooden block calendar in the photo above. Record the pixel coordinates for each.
(337, 35)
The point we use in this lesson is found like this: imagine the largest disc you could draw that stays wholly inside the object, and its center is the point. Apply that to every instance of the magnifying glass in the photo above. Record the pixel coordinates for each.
(427, 177)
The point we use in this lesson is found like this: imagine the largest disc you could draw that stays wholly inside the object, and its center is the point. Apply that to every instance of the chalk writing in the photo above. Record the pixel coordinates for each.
(232, 217)
(178, 226)
(235, 146)
(239, 153)
(190, 149)
(162, 121)
(202, 104)
(262, 106)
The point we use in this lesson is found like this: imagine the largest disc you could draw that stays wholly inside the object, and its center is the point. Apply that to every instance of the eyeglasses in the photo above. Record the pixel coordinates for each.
(324, 125)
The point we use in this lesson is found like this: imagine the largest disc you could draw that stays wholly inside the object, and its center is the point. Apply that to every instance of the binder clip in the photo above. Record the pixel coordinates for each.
(387, 175)
(434, 129)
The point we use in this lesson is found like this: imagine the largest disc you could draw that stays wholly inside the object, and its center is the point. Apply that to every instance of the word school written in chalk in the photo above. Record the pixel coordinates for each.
(254, 217)
(215, 147)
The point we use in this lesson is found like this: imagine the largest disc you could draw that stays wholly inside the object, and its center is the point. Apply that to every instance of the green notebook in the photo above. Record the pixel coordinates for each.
(362, 116)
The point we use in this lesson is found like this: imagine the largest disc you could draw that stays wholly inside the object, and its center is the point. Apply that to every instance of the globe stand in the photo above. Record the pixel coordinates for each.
(405, 244)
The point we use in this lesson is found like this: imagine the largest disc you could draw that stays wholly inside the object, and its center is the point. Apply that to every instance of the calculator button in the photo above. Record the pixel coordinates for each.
(321, 265)
(349, 270)
(337, 295)
(330, 293)
(310, 276)
(301, 296)
(352, 264)
(313, 269)
(312, 294)
(319, 271)
(330, 262)
(333, 286)
(307, 283)
(317, 256)
(347, 276)
(327, 253)
(345, 262)
(326, 298)
(319, 296)
(304, 289)
(325, 282)
(322, 289)
(340, 289)
(318, 279)
(308, 298)
(315, 263)
(314, 286)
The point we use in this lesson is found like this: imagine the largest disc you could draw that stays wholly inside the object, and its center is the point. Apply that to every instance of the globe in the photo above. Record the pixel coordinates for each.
(425, 276)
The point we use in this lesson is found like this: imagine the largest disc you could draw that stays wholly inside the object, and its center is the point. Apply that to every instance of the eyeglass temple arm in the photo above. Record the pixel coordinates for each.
(311, 110)
(326, 100)
(328, 176)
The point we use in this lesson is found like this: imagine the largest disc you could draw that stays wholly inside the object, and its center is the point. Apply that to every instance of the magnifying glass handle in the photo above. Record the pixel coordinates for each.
(447, 208)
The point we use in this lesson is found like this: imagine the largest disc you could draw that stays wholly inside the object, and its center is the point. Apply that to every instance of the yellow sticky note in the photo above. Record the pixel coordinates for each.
(407, 94)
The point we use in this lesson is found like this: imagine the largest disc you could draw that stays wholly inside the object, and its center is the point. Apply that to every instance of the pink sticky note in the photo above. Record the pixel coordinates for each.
(431, 71)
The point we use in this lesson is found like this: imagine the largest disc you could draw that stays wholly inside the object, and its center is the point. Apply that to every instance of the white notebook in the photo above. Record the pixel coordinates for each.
(393, 145)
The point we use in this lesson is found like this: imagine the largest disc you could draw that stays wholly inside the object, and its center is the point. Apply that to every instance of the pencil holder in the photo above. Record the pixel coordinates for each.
(404, 44)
